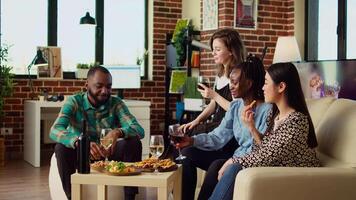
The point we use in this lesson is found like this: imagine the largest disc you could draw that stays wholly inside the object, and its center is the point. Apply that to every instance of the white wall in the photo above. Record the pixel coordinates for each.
(191, 10)
(299, 23)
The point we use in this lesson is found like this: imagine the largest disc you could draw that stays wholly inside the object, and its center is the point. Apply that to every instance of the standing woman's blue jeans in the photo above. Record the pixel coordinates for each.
(225, 188)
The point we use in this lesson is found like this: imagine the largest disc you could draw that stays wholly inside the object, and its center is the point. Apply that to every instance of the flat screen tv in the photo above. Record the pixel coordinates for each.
(328, 78)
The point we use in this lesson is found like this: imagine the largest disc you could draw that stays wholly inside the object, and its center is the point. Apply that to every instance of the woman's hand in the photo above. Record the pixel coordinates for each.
(223, 168)
(207, 92)
(185, 127)
(247, 116)
(185, 142)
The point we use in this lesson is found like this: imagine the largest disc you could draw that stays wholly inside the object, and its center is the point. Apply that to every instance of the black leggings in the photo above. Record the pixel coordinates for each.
(201, 159)
(127, 150)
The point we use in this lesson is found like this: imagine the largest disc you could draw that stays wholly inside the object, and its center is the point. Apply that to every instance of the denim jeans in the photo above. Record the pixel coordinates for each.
(211, 179)
(225, 188)
(196, 158)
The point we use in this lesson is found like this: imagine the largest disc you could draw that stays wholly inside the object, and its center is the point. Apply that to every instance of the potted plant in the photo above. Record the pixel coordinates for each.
(179, 39)
(82, 70)
(6, 77)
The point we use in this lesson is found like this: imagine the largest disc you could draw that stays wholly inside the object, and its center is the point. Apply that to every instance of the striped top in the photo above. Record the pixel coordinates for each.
(113, 114)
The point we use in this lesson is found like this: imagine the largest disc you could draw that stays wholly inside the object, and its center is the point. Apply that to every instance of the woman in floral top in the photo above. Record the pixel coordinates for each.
(290, 138)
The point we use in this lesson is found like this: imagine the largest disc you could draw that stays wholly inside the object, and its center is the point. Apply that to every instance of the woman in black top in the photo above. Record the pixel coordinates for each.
(228, 51)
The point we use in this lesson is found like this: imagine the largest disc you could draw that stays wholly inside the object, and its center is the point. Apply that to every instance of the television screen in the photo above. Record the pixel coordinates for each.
(328, 78)
(125, 76)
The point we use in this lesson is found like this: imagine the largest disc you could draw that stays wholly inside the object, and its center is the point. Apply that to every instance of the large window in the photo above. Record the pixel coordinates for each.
(331, 30)
(124, 32)
(77, 42)
(118, 39)
(327, 36)
(351, 30)
(23, 29)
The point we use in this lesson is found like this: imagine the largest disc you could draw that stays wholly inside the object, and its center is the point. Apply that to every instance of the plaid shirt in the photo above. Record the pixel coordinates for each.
(114, 114)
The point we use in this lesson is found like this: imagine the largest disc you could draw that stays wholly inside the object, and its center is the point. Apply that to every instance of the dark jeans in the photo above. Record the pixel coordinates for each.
(127, 150)
(211, 179)
(202, 159)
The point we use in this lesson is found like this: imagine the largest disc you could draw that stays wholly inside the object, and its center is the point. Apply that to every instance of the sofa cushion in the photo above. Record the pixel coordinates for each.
(336, 132)
(317, 107)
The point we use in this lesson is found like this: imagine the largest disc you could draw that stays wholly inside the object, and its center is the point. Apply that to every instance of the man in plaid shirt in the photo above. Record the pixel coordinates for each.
(100, 110)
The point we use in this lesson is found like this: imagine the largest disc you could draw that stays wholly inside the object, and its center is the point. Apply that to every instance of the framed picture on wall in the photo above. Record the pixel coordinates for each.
(53, 68)
(210, 14)
(245, 14)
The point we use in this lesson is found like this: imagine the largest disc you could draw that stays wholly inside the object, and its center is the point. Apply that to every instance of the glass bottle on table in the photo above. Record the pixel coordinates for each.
(83, 150)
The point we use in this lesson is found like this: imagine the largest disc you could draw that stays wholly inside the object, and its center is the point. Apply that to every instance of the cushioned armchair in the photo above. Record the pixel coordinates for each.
(335, 125)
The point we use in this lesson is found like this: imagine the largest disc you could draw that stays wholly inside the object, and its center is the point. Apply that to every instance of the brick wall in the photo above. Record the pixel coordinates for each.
(166, 13)
(276, 18)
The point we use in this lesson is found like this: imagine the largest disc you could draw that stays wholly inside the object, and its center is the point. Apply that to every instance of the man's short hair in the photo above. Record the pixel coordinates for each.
(93, 70)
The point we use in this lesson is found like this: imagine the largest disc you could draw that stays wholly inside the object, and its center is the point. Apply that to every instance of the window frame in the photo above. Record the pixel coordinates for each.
(311, 23)
(52, 34)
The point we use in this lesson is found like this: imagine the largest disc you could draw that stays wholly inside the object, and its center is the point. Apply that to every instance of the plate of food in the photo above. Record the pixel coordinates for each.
(166, 165)
(147, 165)
(98, 166)
(115, 168)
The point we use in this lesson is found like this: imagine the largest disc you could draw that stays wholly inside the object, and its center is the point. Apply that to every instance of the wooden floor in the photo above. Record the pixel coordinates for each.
(20, 180)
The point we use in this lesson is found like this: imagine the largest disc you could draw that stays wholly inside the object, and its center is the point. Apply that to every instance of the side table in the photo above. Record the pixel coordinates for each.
(161, 180)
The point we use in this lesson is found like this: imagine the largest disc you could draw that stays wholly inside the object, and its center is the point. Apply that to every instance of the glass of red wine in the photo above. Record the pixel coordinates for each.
(176, 136)
(205, 81)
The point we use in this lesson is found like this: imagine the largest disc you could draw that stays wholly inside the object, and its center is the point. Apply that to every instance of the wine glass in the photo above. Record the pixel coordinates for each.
(156, 145)
(176, 137)
(105, 142)
(205, 81)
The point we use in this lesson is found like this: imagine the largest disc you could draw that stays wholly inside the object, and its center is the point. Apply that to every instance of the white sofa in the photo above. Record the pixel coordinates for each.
(335, 125)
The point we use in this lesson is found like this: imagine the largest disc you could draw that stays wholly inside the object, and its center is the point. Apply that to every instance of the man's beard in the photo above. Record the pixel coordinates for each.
(98, 102)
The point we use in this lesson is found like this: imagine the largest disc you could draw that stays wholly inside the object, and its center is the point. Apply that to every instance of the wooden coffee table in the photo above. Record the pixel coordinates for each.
(163, 181)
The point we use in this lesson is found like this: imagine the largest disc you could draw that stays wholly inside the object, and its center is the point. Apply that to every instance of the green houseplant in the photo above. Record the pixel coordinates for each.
(82, 69)
(179, 39)
(6, 77)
